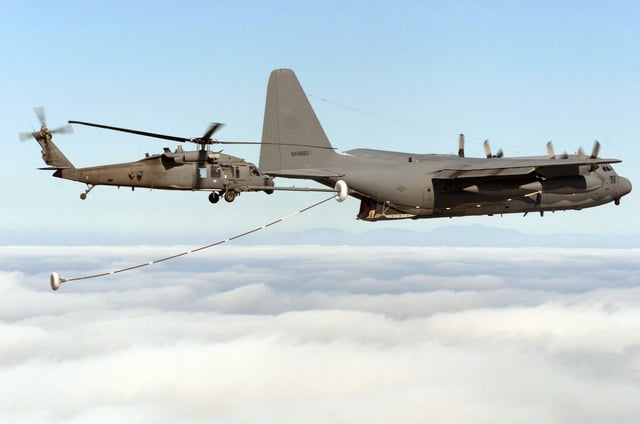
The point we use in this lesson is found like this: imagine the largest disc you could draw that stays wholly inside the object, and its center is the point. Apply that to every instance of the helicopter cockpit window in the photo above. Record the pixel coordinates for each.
(202, 172)
(215, 172)
(254, 171)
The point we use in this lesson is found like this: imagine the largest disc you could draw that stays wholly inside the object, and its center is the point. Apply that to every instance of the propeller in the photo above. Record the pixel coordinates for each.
(203, 141)
(461, 145)
(582, 154)
(594, 151)
(550, 151)
(44, 131)
(487, 151)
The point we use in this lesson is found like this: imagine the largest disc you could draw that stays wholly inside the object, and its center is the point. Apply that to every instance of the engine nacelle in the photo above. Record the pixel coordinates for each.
(565, 185)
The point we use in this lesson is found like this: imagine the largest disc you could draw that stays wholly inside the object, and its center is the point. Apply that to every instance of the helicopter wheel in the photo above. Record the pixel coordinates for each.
(89, 188)
(229, 196)
(214, 197)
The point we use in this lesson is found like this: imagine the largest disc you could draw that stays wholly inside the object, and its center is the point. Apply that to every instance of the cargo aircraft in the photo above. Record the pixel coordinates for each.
(394, 185)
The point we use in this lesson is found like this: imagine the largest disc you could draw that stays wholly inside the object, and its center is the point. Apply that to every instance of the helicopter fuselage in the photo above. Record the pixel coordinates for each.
(219, 173)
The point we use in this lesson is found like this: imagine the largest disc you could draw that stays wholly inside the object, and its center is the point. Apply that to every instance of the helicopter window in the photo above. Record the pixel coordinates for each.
(254, 171)
(237, 172)
(202, 172)
(215, 172)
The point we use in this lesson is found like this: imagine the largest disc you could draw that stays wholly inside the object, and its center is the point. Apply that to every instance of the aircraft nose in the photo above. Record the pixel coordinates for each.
(624, 186)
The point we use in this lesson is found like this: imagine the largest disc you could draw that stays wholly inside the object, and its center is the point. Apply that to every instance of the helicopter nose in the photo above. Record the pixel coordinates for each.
(623, 186)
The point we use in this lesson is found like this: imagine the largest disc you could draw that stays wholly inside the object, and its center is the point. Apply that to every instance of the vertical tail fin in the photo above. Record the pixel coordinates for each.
(51, 155)
(294, 135)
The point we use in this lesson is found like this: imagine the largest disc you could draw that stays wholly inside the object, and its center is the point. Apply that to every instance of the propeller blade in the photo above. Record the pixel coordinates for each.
(143, 133)
(487, 149)
(41, 115)
(596, 149)
(550, 152)
(67, 129)
(581, 153)
(24, 136)
(461, 145)
(212, 128)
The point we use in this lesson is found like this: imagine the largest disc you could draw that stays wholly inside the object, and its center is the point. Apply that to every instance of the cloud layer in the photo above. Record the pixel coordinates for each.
(317, 334)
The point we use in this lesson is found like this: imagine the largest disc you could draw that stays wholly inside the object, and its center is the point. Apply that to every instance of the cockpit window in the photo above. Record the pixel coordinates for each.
(254, 171)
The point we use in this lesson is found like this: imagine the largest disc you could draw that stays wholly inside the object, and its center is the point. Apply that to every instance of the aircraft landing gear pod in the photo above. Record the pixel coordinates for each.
(342, 191)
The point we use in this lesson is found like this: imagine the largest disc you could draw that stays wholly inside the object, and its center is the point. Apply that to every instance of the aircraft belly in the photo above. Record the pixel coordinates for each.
(399, 187)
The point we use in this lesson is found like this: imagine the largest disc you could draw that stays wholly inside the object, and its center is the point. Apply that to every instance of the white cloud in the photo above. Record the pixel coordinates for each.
(317, 334)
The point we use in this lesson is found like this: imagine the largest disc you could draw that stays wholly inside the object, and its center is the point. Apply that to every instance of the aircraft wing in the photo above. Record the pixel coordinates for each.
(547, 168)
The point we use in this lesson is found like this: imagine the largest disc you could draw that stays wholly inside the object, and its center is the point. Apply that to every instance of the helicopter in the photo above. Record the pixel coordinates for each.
(222, 174)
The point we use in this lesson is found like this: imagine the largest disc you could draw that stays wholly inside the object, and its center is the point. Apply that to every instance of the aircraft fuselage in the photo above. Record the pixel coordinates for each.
(426, 186)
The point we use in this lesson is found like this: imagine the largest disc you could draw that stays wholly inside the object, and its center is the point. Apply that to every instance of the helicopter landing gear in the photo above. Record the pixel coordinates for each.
(214, 197)
(229, 196)
(84, 195)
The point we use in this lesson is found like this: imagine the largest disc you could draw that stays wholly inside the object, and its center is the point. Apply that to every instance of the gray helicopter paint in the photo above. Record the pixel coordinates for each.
(203, 169)
(396, 185)
(154, 172)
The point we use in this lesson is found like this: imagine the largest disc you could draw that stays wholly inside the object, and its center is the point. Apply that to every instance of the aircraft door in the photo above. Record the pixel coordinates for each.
(427, 194)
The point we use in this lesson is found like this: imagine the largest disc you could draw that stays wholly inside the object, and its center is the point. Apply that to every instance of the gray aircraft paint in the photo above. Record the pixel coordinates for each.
(395, 185)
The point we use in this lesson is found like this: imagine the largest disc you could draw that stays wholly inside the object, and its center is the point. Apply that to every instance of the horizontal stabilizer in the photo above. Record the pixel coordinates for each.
(54, 168)
(304, 173)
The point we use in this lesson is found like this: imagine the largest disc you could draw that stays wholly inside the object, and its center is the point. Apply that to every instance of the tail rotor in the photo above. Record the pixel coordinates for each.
(44, 132)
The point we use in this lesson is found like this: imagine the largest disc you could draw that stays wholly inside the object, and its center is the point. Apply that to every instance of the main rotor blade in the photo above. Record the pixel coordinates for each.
(41, 115)
(192, 140)
(144, 133)
(212, 128)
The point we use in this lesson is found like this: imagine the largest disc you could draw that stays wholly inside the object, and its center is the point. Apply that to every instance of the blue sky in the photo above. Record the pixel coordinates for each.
(517, 73)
